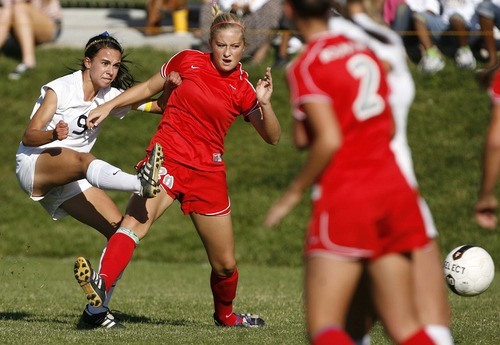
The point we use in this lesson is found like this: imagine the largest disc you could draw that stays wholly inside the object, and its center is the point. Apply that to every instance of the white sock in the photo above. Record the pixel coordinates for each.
(439, 334)
(366, 340)
(103, 175)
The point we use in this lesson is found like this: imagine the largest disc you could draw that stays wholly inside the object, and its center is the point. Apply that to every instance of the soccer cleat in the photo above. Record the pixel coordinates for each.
(464, 58)
(104, 320)
(432, 62)
(90, 281)
(149, 173)
(243, 320)
(20, 70)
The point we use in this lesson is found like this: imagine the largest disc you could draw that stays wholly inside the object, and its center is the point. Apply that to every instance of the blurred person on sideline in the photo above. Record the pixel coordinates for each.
(457, 16)
(260, 17)
(429, 285)
(487, 203)
(488, 12)
(155, 9)
(398, 14)
(350, 228)
(54, 165)
(214, 92)
(31, 23)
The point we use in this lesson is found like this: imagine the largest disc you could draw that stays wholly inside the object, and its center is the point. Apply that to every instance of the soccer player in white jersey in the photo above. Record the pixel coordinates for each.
(53, 163)
(431, 300)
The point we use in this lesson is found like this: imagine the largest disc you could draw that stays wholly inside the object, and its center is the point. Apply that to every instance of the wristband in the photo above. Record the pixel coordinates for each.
(146, 107)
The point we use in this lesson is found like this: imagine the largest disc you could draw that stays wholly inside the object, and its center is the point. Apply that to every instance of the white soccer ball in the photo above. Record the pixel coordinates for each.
(469, 270)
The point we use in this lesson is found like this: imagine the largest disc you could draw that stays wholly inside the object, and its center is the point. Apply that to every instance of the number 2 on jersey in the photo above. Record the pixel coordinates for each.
(368, 102)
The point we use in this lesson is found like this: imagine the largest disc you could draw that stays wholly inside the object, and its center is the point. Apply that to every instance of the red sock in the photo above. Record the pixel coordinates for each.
(224, 291)
(332, 335)
(419, 338)
(118, 254)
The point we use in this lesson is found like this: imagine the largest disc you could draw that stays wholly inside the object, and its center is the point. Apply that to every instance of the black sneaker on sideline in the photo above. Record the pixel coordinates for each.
(149, 173)
(243, 320)
(105, 320)
(90, 281)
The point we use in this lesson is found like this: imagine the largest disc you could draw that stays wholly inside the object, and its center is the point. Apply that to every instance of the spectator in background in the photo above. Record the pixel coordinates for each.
(31, 22)
(457, 16)
(488, 12)
(155, 10)
(398, 14)
(261, 18)
(281, 58)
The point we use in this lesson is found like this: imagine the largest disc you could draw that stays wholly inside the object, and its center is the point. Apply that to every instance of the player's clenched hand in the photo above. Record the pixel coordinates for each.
(61, 131)
(484, 211)
(97, 115)
(264, 88)
(282, 207)
(173, 80)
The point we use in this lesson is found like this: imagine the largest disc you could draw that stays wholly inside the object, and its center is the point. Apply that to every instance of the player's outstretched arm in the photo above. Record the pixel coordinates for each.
(135, 94)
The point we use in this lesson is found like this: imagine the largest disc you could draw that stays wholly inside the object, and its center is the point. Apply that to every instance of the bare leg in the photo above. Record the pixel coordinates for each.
(154, 17)
(489, 40)
(5, 24)
(329, 287)
(463, 34)
(430, 290)
(424, 35)
(216, 233)
(59, 166)
(393, 296)
(96, 209)
(31, 27)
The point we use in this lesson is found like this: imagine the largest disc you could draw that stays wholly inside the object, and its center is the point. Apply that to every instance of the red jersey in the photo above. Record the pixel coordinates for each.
(357, 91)
(200, 111)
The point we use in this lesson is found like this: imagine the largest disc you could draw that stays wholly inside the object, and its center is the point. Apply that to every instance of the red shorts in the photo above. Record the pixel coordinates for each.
(202, 192)
(367, 224)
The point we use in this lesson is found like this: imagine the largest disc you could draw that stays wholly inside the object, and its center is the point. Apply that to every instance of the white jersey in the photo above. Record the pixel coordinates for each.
(74, 110)
(402, 90)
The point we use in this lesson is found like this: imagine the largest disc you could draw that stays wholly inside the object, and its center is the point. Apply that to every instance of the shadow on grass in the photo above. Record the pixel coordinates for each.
(128, 318)
(15, 316)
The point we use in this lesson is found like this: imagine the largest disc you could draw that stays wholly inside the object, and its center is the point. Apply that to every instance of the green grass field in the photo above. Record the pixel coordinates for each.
(164, 296)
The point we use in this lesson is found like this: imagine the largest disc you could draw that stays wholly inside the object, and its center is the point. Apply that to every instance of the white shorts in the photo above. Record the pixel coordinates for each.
(51, 202)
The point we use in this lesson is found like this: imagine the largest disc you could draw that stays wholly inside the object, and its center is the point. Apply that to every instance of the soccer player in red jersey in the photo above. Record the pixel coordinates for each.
(487, 204)
(430, 291)
(365, 213)
(212, 92)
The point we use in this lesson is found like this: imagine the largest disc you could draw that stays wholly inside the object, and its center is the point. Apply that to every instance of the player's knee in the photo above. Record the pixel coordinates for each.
(85, 159)
(224, 268)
